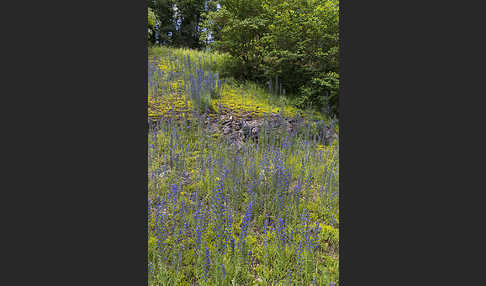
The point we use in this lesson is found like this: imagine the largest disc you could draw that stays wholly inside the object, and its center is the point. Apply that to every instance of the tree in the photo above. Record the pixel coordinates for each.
(163, 10)
(236, 28)
(296, 41)
(151, 21)
(303, 49)
(180, 21)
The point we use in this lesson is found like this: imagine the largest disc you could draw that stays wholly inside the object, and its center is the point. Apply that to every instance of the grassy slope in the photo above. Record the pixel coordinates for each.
(189, 168)
(241, 97)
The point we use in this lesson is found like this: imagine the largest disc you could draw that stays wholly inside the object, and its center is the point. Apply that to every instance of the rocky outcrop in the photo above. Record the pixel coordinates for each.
(238, 129)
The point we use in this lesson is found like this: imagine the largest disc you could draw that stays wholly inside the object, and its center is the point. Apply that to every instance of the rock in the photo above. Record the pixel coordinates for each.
(238, 129)
(245, 128)
(227, 120)
(255, 130)
(226, 130)
(228, 124)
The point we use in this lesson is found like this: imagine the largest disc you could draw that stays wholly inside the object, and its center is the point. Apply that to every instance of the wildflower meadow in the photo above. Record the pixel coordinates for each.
(243, 187)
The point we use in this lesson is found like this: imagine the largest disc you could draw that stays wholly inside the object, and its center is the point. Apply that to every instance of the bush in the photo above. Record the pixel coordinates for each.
(295, 41)
(321, 92)
(152, 20)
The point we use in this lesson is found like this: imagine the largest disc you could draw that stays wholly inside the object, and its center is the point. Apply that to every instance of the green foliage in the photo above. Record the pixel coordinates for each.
(236, 28)
(164, 12)
(187, 162)
(295, 40)
(293, 44)
(242, 97)
(151, 18)
(183, 151)
(151, 21)
(291, 179)
(187, 17)
(180, 21)
(328, 85)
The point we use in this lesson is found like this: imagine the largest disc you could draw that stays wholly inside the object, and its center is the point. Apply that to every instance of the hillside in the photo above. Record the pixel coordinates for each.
(183, 82)
(243, 186)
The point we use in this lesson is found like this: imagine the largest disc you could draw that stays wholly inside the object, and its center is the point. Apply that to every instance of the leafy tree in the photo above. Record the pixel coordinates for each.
(294, 41)
(236, 28)
(303, 49)
(187, 18)
(152, 21)
(180, 21)
(163, 10)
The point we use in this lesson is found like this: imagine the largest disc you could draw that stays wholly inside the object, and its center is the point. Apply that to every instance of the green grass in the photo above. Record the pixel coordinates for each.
(242, 98)
(212, 60)
(189, 165)
(201, 188)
